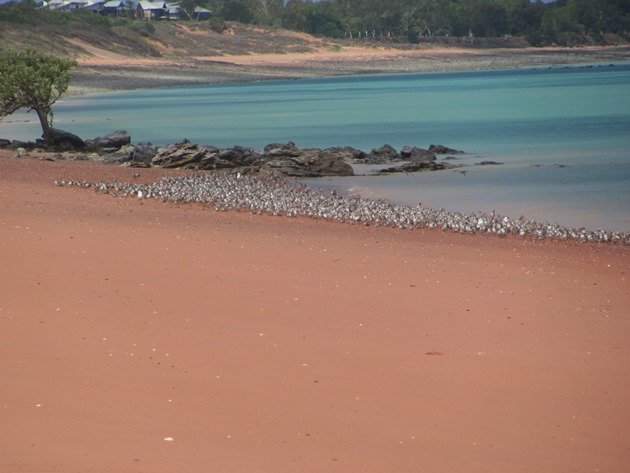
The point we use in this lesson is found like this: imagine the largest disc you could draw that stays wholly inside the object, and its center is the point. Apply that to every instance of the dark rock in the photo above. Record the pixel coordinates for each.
(487, 163)
(383, 155)
(348, 154)
(66, 141)
(312, 162)
(120, 156)
(417, 166)
(4, 143)
(238, 156)
(142, 155)
(178, 156)
(27, 145)
(279, 149)
(208, 160)
(450, 158)
(417, 155)
(111, 142)
(441, 149)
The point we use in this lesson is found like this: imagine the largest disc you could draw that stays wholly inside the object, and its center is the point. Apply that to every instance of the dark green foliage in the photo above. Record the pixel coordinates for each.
(415, 20)
(560, 22)
(217, 24)
(77, 19)
(144, 28)
(243, 11)
(34, 80)
(20, 13)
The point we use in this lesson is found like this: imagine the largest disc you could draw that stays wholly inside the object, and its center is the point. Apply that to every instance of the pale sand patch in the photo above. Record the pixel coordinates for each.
(359, 53)
(277, 345)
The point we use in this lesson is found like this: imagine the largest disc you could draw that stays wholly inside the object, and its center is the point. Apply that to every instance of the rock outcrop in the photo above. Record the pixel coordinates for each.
(285, 159)
(64, 140)
(417, 155)
(280, 158)
(383, 155)
(488, 163)
(417, 167)
(441, 149)
(110, 143)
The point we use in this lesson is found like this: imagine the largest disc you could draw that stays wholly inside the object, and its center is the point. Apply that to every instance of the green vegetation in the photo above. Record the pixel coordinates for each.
(563, 22)
(412, 20)
(33, 80)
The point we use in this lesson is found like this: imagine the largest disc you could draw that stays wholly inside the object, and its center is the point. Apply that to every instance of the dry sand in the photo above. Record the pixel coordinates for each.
(100, 70)
(138, 336)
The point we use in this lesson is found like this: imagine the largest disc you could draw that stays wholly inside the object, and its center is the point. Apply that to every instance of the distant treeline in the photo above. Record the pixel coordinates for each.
(561, 22)
(413, 20)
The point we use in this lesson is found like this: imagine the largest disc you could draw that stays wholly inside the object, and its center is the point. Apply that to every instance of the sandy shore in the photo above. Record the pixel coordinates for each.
(138, 336)
(102, 70)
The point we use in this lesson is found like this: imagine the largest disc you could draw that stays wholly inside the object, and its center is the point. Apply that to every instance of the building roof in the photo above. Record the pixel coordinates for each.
(146, 5)
(114, 4)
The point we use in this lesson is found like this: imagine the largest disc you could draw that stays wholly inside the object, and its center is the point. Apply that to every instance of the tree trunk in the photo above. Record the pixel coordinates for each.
(43, 120)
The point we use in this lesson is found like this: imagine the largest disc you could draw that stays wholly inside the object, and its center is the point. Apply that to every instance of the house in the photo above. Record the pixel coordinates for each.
(176, 12)
(96, 7)
(114, 8)
(72, 5)
(53, 4)
(173, 11)
(202, 13)
(153, 10)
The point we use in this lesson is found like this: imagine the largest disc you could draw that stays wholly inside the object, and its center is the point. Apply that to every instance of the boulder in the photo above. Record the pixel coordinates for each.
(279, 149)
(178, 156)
(417, 155)
(238, 156)
(487, 163)
(441, 149)
(312, 162)
(27, 145)
(4, 143)
(120, 156)
(66, 141)
(110, 142)
(348, 154)
(142, 155)
(383, 155)
(416, 167)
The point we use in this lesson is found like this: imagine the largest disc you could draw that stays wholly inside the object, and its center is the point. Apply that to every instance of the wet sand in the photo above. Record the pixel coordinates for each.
(138, 336)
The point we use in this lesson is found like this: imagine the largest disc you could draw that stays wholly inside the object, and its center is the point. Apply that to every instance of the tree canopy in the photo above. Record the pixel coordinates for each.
(413, 19)
(33, 80)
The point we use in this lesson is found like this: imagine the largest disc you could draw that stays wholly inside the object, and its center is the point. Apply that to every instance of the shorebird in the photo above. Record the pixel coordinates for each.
(277, 196)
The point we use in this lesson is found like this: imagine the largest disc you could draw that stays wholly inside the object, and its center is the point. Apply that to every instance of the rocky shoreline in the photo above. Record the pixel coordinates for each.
(257, 180)
(286, 159)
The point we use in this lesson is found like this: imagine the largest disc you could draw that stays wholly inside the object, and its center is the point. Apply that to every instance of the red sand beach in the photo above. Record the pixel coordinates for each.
(137, 336)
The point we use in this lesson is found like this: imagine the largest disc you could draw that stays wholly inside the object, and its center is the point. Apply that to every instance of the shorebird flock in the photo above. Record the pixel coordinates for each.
(276, 195)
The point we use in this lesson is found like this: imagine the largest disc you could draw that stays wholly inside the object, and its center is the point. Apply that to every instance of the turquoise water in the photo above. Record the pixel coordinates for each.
(576, 116)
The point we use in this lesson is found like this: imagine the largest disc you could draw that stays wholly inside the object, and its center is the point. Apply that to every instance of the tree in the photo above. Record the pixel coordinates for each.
(33, 80)
(243, 11)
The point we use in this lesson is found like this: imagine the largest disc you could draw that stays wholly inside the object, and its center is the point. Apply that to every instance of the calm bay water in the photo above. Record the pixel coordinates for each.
(579, 117)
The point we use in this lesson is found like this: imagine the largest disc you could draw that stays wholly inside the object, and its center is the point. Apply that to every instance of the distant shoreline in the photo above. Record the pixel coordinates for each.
(107, 72)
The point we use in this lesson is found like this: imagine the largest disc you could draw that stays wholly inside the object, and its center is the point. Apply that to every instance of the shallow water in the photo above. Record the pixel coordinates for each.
(579, 117)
